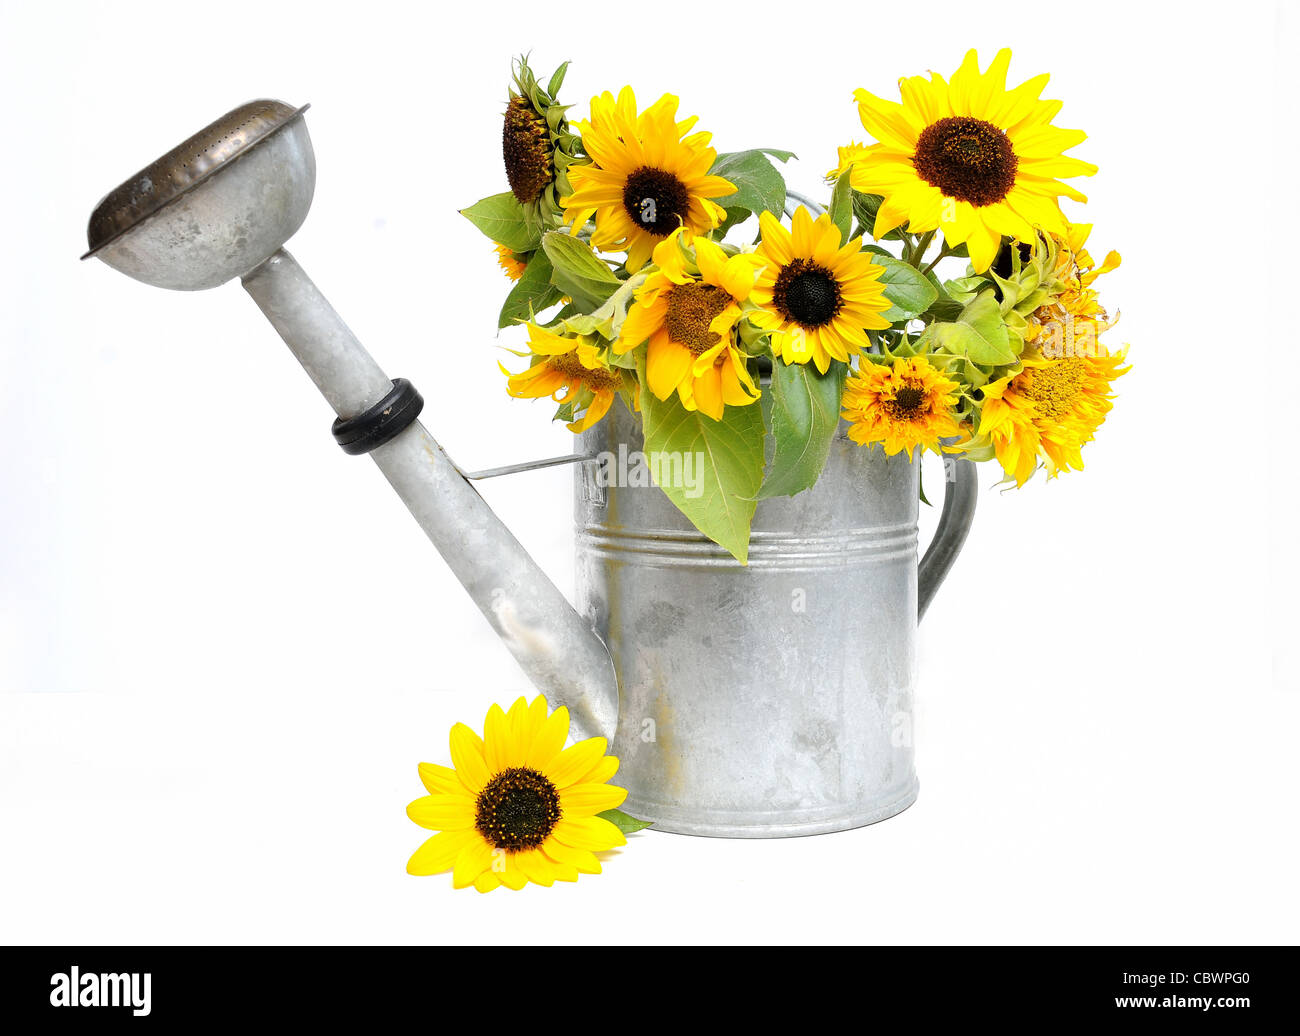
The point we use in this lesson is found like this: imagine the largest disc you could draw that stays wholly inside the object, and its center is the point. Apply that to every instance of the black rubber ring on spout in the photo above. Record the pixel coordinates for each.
(382, 422)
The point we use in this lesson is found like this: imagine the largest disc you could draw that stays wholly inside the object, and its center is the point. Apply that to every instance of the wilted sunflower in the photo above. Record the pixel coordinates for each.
(647, 177)
(816, 297)
(518, 806)
(1075, 311)
(513, 264)
(537, 145)
(902, 405)
(688, 311)
(569, 369)
(1046, 412)
(969, 157)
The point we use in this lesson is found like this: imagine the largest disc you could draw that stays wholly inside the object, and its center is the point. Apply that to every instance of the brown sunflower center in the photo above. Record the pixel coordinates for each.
(517, 809)
(657, 201)
(595, 378)
(691, 309)
(526, 147)
(908, 404)
(967, 159)
(1053, 388)
(807, 293)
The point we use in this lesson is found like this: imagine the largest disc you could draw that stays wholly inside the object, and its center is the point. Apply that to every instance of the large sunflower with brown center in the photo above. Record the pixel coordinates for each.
(817, 296)
(649, 175)
(517, 806)
(968, 157)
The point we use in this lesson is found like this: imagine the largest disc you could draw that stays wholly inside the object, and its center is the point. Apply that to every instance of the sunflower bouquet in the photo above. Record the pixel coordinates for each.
(639, 273)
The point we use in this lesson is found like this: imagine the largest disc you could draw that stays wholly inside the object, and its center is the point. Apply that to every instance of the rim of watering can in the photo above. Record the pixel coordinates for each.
(186, 166)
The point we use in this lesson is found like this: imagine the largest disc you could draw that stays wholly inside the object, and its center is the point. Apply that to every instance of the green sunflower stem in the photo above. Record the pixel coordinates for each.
(917, 253)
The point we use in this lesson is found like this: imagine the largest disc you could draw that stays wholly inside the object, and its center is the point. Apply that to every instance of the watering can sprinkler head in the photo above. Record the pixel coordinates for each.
(220, 206)
(214, 207)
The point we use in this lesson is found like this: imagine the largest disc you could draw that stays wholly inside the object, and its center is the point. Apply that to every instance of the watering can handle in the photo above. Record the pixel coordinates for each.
(959, 498)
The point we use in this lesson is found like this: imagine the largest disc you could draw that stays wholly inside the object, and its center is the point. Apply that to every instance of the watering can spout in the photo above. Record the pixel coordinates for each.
(220, 206)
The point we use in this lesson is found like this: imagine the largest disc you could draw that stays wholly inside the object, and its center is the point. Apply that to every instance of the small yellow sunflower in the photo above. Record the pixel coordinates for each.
(902, 405)
(511, 263)
(1047, 411)
(569, 369)
(518, 806)
(688, 311)
(816, 297)
(647, 177)
(969, 157)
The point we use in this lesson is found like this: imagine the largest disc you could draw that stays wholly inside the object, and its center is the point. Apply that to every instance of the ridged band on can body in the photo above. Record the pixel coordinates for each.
(762, 700)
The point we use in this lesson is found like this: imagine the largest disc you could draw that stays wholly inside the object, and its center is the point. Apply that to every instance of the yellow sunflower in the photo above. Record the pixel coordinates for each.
(647, 177)
(902, 405)
(688, 311)
(967, 156)
(816, 297)
(512, 264)
(569, 369)
(518, 806)
(1047, 411)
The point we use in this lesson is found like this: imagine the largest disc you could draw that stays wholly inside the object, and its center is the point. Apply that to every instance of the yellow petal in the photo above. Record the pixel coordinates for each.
(440, 852)
(580, 859)
(535, 866)
(473, 860)
(586, 800)
(497, 742)
(467, 757)
(443, 812)
(487, 881)
(440, 780)
(574, 763)
(549, 740)
(595, 834)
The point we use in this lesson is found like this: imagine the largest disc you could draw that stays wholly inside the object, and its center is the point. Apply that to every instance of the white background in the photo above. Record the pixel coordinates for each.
(1107, 697)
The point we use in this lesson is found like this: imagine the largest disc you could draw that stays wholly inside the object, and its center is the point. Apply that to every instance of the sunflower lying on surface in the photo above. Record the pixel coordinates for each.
(516, 805)
(618, 234)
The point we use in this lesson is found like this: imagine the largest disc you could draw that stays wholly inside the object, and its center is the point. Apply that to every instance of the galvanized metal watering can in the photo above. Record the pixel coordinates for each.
(750, 701)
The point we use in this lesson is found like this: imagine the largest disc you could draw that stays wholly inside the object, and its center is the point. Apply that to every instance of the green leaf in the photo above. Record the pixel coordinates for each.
(943, 307)
(501, 218)
(984, 318)
(726, 461)
(841, 209)
(532, 293)
(628, 825)
(805, 417)
(735, 217)
(578, 271)
(978, 334)
(759, 187)
(906, 287)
